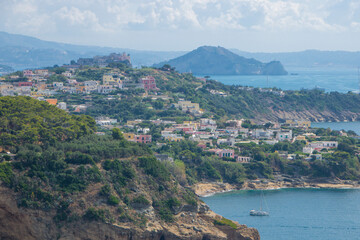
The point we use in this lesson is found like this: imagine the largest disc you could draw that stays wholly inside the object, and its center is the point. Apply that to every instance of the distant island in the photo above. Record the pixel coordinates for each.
(208, 60)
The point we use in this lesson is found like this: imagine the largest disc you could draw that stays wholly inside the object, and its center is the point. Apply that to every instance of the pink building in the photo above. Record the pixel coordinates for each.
(143, 138)
(24, 84)
(149, 83)
(28, 73)
(223, 152)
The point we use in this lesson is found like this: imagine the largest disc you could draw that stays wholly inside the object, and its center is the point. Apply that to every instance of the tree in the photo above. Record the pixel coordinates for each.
(117, 134)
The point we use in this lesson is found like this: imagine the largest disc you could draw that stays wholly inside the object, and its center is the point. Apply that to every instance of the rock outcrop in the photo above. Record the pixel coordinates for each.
(28, 224)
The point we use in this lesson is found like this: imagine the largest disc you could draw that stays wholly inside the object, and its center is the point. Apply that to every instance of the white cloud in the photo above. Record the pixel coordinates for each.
(120, 19)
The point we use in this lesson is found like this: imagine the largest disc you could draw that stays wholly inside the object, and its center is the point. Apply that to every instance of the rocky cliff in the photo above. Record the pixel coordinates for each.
(28, 224)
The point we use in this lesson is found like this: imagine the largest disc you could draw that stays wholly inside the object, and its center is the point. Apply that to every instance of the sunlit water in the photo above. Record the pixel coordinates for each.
(331, 79)
(295, 213)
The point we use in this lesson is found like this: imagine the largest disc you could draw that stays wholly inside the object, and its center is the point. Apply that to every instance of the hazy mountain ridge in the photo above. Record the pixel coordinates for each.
(308, 58)
(20, 52)
(220, 61)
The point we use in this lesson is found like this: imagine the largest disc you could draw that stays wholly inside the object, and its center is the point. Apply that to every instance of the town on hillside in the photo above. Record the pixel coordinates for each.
(75, 88)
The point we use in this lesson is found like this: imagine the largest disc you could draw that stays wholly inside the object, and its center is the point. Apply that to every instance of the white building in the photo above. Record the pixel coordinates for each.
(284, 135)
(62, 105)
(323, 144)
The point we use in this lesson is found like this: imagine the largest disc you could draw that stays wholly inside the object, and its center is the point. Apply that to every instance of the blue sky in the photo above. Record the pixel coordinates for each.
(249, 25)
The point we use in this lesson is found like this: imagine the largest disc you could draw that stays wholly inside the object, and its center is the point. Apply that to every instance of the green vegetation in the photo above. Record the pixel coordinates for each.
(6, 173)
(154, 168)
(225, 222)
(26, 120)
(55, 173)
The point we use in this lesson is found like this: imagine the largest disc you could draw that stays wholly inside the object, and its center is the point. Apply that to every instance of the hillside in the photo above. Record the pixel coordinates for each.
(68, 183)
(20, 52)
(208, 60)
(257, 104)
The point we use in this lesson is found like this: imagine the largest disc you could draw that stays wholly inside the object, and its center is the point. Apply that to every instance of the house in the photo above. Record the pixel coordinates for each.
(62, 105)
(23, 84)
(223, 152)
(149, 83)
(104, 89)
(173, 138)
(188, 106)
(229, 141)
(110, 79)
(104, 121)
(308, 150)
(300, 138)
(262, 134)
(67, 74)
(91, 86)
(58, 85)
(129, 136)
(143, 138)
(41, 72)
(284, 135)
(243, 159)
(323, 144)
(298, 123)
(51, 101)
(28, 73)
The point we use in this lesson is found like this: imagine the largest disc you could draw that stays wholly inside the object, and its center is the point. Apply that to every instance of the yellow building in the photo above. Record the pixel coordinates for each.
(134, 122)
(174, 138)
(6, 87)
(108, 79)
(188, 106)
(129, 136)
(298, 123)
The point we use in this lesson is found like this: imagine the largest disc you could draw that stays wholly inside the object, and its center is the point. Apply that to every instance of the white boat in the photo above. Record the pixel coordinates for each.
(260, 212)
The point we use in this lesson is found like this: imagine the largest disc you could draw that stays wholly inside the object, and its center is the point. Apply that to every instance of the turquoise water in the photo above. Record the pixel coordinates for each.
(355, 126)
(296, 214)
(331, 79)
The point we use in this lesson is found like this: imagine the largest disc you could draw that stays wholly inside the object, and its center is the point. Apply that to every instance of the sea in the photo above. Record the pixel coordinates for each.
(326, 78)
(295, 214)
(298, 214)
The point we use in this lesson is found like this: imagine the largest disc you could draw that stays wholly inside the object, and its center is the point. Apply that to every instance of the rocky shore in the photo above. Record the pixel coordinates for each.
(208, 189)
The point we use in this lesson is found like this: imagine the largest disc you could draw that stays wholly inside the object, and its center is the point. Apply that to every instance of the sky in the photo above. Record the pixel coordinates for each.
(174, 25)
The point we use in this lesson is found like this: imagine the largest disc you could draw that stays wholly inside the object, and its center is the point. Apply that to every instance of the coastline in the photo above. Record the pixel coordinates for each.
(211, 188)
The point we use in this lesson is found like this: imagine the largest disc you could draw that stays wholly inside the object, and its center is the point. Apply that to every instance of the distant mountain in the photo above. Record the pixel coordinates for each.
(309, 58)
(5, 69)
(209, 60)
(19, 52)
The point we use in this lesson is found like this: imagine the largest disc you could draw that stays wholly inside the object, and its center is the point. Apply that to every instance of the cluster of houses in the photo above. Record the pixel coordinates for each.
(35, 84)
(222, 141)
(38, 83)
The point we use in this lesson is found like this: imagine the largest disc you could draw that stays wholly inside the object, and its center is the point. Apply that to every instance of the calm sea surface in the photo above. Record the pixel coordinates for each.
(320, 214)
(331, 79)
(355, 126)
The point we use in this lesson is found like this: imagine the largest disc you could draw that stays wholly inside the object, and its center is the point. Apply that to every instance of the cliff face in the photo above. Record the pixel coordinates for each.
(28, 224)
